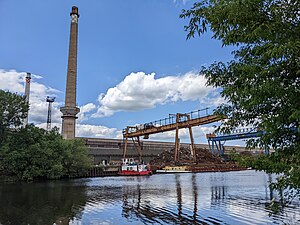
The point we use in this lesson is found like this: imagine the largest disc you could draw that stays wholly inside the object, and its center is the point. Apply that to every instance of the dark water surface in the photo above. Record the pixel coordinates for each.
(202, 198)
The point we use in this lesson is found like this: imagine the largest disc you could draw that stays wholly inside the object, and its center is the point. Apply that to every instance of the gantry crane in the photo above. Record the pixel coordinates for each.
(173, 122)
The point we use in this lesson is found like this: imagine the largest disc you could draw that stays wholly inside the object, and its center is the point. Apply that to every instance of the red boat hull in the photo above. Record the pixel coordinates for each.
(135, 173)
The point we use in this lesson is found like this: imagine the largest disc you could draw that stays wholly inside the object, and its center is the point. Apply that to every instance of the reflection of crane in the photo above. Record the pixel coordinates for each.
(137, 202)
(50, 100)
(173, 122)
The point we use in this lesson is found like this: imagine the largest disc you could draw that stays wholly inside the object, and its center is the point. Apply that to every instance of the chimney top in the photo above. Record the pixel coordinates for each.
(74, 10)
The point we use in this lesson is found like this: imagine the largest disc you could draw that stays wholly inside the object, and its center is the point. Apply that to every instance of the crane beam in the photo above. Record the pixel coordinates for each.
(131, 132)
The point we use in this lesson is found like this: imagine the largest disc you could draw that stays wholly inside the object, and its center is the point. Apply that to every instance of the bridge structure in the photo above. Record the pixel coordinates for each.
(214, 140)
(173, 122)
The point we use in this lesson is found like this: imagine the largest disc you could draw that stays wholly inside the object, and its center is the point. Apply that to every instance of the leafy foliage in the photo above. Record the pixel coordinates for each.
(13, 110)
(262, 83)
(33, 153)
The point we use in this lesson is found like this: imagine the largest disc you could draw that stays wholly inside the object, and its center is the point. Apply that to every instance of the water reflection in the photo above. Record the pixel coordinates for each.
(195, 194)
(179, 197)
(41, 203)
(205, 198)
(218, 193)
(270, 180)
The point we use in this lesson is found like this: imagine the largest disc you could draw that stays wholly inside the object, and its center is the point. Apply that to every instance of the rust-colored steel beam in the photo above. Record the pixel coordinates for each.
(184, 124)
(177, 141)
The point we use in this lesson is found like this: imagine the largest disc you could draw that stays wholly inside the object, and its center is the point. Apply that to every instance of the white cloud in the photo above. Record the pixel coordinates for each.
(179, 2)
(85, 130)
(136, 92)
(94, 131)
(140, 91)
(14, 81)
(84, 110)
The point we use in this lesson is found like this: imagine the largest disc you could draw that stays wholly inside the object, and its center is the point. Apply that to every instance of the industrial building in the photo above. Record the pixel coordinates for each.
(110, 150)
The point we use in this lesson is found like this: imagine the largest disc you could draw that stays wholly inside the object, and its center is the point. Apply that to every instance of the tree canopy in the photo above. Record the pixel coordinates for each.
(262, 83)
(13, 110)
(34, 153)
(29, 153)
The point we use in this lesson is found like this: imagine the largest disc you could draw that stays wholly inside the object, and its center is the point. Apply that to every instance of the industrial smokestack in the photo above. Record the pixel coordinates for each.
(27, 92)
(70, 110)
(50, 100)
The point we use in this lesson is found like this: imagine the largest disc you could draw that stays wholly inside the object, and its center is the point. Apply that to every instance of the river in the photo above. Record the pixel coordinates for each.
(202, 198)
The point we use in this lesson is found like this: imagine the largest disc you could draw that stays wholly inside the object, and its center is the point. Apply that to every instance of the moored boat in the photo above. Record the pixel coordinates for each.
(174, 169)
(132, 168)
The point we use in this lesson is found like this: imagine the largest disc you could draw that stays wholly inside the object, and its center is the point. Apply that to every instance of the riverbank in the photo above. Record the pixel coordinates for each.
(107, 171)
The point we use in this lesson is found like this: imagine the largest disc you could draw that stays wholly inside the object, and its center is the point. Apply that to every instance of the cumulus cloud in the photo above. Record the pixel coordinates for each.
(85, 110)
(14, 81)
(86, 130)
(140, 91)
(137, 91)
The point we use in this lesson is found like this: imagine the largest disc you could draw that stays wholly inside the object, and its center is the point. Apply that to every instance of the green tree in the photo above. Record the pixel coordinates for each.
(33, 153)
(262, 82)
(13, 110)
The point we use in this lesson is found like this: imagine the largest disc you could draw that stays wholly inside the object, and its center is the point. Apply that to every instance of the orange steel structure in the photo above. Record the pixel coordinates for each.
(173, 122)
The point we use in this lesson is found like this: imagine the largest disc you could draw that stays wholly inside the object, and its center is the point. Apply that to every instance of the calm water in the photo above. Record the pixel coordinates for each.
(202, 198)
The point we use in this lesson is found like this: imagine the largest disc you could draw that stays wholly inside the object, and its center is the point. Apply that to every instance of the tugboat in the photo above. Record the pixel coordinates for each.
(132, 168)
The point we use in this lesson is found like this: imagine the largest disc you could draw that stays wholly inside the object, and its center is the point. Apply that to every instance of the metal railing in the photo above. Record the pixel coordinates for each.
(243, 130)
(169, 120)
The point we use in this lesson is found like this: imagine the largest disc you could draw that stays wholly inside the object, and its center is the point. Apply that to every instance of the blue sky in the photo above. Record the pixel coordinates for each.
(122, 44)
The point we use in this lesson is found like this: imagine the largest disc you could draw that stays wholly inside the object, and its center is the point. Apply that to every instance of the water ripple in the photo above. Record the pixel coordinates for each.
(204, 198)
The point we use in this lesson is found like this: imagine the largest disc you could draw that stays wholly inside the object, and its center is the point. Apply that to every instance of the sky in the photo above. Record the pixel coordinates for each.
(134, 62)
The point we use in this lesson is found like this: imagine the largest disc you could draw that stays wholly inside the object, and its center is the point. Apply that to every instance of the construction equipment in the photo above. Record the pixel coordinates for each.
(173, 122)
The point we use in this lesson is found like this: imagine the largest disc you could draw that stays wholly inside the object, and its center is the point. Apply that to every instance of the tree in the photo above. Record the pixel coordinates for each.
(262, 82)
(33, 153)
(13, 110)
(29, 153)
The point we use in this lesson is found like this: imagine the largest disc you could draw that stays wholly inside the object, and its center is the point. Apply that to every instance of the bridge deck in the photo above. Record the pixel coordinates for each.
(236, 136)
(169, 127)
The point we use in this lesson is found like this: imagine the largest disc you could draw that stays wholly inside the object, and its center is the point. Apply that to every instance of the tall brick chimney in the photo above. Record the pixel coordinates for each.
(70, 110)
(27, 92)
